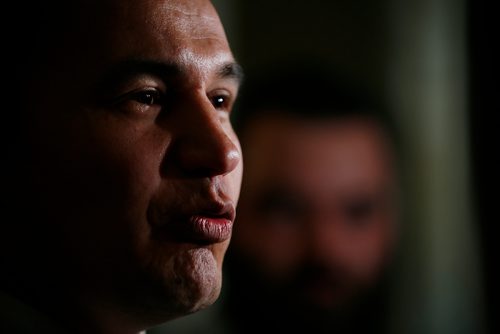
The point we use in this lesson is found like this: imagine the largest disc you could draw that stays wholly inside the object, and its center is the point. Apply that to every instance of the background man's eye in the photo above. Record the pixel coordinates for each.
(148, 97)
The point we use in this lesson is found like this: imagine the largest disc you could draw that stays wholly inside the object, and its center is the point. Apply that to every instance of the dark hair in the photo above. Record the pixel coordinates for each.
(309, 92)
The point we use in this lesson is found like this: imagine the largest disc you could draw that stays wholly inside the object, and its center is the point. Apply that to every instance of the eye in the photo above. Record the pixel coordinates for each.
(147, 101)
(148, 97)
(221, 101)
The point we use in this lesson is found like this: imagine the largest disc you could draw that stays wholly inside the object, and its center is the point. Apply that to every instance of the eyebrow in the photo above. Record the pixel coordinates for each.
(128, 69)
(231, 70)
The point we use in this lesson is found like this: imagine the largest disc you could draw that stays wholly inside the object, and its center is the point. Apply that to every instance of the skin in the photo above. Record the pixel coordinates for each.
(317, 227)
(128, 137)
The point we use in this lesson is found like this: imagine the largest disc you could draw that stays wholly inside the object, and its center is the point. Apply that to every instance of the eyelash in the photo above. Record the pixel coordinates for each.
(148, 97)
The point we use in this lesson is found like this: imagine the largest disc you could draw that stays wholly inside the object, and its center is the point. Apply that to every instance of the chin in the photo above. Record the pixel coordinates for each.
(192, 281)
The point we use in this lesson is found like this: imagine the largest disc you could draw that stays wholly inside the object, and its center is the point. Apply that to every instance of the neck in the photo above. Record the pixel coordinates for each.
(70, 309)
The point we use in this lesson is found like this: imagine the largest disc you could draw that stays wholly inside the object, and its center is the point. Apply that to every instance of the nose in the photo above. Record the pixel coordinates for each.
(322, 238)
(204, 144)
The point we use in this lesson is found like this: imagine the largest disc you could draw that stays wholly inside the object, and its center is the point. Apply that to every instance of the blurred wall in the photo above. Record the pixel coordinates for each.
(349, 35)
(413, 54)
(441, 288)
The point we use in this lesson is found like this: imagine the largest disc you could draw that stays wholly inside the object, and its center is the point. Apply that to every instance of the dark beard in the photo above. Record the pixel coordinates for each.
(252, 303)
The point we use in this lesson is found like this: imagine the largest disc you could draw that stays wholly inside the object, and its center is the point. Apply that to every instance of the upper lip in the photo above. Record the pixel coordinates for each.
(217, 210)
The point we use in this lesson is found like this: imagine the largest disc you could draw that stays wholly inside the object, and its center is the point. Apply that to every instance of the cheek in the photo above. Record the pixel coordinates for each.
(234, 178)
(121, 180)
(366, 251)
(102, 148)
(218, 251)
(235, 181)
(109, 170)
(284, 244)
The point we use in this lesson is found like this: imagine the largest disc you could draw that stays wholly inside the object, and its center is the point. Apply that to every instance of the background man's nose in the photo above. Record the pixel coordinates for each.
(323, 238)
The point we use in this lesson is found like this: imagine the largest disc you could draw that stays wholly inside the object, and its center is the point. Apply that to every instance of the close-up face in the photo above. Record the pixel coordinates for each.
(135, 164)
(317, 214)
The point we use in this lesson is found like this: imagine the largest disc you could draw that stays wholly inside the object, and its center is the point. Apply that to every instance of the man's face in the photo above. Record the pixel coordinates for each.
(316, 215)
(135, 164)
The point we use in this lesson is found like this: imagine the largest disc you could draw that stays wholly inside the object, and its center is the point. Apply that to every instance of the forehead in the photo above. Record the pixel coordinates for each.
(317, 156)
(196, 19)
(182, 32)
(173, 21)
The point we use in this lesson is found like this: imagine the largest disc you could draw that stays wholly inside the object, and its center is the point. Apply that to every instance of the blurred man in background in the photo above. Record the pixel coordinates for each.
(317, 218)
(318, 211)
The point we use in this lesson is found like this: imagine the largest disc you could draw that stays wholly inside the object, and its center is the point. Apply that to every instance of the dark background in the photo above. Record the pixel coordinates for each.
(432, 62)
(483, 111)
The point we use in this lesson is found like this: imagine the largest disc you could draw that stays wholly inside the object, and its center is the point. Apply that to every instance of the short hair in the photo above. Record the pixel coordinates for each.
(308, 92)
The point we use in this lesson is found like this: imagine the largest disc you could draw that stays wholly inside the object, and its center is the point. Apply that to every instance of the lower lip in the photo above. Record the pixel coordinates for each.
(210, 229)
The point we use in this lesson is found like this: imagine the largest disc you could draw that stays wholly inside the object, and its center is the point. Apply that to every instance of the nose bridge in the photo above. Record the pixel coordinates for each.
(322, 238)
(204, 145)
